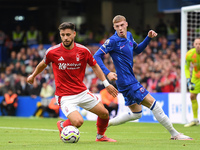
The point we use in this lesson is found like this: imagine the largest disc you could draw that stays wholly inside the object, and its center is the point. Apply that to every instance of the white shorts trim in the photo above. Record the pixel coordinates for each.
(86, 100)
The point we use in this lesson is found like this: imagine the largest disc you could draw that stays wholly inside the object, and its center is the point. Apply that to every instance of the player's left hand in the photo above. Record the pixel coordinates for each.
(152, 34)
(112, 90)
(112, 76)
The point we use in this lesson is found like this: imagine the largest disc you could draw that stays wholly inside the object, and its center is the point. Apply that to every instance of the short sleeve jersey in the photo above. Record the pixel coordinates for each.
(194, 58)
(69, 67)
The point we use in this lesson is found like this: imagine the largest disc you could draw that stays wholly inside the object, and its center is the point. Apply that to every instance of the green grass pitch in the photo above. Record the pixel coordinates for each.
(42, 134)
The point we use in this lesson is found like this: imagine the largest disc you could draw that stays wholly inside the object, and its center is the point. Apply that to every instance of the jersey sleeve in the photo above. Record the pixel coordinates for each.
(140, 47)
(47, 57)
(90, 60)
(187, 64)
(104, 49)
(107, 46)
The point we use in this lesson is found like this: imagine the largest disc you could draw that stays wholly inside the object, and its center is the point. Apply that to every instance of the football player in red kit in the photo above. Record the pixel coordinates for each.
(69, 60)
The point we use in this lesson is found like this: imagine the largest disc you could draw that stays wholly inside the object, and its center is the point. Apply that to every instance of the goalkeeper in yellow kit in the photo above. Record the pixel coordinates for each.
(193, 84)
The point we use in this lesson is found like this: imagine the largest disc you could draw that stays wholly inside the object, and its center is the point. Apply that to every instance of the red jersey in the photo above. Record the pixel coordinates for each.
(69, 67)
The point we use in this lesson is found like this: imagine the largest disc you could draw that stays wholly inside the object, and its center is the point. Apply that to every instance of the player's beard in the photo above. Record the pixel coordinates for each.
(68, 45)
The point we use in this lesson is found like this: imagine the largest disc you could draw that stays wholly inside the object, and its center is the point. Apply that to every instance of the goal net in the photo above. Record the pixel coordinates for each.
(190, 29)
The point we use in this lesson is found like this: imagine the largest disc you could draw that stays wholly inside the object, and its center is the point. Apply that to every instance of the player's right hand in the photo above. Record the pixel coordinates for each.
(190, 85)
(30, 79)
(112, 90)
(112, 76)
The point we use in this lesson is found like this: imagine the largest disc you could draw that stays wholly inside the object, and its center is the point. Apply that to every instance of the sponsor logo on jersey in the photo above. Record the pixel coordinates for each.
(61, 59)
(71, 66)
(62, 66)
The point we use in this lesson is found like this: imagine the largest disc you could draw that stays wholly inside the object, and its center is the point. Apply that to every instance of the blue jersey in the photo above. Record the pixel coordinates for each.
(122, 51)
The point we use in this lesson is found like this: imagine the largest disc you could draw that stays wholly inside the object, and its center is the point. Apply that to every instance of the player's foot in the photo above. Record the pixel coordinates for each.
(105, 139)
(60, 126)
(181, 136)
(193, 123)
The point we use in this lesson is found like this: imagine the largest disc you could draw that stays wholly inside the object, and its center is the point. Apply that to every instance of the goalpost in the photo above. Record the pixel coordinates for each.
(190, 29)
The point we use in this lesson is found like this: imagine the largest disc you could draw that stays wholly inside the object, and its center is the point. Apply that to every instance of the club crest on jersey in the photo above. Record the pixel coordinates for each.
(142, 89)
(106, 43)
(77, 57)
(131, 43)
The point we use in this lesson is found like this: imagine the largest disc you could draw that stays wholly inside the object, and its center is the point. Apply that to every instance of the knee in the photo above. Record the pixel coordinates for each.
(104, 114)
(77, 123)
(192, 96)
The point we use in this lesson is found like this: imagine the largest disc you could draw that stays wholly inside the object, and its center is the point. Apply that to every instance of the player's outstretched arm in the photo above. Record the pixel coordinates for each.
(99, 73)
(40, 67)
(141, 46)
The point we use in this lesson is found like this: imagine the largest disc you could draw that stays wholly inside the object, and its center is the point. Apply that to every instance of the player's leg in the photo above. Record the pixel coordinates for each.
(194, 102)
(102, 122)
(136, 113)
(135, 93)
(162, 118)
(68, 106)
(74, 119)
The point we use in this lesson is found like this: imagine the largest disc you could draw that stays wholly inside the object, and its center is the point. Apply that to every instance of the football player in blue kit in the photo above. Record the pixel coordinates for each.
(122, 47)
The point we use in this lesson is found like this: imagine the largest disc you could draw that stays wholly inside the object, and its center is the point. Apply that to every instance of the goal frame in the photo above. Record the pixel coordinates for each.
(184, 11)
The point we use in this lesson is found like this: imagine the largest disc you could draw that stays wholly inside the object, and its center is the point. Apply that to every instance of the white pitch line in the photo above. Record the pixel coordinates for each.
(13, 128)
(36, 129)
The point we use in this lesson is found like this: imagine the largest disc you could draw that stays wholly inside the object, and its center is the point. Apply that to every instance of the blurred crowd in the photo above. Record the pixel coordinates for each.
(157, 68)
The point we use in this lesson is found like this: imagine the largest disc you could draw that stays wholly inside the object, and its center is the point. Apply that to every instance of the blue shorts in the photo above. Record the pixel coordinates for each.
(135, 94)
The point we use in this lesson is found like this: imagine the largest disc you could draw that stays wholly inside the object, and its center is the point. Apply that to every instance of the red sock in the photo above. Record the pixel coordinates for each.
(66, 123)
(101, 125)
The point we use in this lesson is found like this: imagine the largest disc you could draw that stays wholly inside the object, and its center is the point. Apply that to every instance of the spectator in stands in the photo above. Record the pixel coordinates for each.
(110, 102)
(154, 46)
(33, 36)
(18, 38)
(22, 87)
(90, 39)
(41, 50)
(13, 58)
(23, 70)
(46, 93)
(2, 79)
(9, 104)
(166, 83)
(161, 28)
(52, 109)
(4, 89)
(36, 56)
(9, 74)
(29, 67)
(172, 32)
(35, 89)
